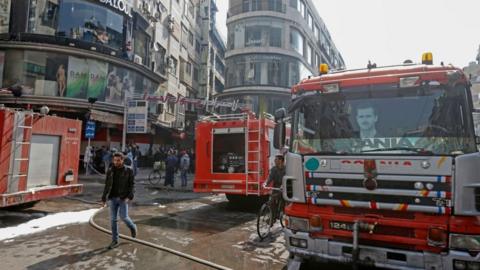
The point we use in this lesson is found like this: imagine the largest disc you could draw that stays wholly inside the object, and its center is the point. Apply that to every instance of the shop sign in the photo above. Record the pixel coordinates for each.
(137, 116)
(120, 5)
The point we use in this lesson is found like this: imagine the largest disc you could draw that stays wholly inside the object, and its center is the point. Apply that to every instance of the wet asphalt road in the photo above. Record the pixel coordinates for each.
(203, 225)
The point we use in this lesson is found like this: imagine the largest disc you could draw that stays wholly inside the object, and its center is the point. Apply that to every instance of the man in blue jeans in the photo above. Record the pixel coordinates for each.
(119, 189)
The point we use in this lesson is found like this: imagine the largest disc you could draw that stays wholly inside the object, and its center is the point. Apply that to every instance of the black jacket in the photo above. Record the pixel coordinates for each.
(125, 184)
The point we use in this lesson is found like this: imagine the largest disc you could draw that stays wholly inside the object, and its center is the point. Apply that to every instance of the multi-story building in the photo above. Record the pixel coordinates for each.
(64, 53)
(272, 45)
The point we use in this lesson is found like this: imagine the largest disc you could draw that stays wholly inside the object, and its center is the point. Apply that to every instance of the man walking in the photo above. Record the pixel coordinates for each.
(184, 167)
(119, 189)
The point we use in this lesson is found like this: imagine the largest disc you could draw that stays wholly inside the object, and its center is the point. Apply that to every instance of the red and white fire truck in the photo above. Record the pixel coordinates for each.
(233, 155)
(390, 175)
(38, 157)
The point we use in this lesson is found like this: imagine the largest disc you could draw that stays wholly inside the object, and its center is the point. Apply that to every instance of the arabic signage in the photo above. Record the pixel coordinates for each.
(90, 130)
(199, 103)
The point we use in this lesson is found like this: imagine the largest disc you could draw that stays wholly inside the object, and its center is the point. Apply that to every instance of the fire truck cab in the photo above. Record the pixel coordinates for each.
(391, 175)
(233, 155)
(38, 157)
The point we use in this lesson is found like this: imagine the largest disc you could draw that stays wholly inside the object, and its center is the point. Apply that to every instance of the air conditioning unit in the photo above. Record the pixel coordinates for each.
(137, 59)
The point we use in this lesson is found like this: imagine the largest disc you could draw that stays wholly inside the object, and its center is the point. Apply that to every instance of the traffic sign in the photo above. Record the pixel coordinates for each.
(90, 130)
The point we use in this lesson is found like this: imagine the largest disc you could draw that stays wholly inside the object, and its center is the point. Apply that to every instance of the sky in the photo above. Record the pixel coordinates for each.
(387, 32)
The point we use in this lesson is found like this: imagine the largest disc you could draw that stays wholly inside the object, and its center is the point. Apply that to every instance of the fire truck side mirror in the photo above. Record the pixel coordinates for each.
(279, 135)
(280, 114)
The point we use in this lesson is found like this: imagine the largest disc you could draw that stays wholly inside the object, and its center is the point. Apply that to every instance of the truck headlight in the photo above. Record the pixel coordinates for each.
(298, 224)
(465, 242)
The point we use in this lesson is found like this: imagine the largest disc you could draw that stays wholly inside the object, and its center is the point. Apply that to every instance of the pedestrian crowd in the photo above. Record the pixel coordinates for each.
(167, 158)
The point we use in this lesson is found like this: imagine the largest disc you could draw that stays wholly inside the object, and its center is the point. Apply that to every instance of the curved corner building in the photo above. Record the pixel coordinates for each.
(272, 45)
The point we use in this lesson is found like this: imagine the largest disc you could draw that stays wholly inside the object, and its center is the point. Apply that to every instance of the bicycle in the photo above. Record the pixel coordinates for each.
(156, 174)
(267, 216)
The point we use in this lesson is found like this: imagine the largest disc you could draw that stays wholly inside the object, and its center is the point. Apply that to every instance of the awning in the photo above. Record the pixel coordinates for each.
(106, 117)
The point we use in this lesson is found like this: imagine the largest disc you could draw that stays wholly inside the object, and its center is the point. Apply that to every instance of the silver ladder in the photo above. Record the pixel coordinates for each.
(21, 139)
(253, 147)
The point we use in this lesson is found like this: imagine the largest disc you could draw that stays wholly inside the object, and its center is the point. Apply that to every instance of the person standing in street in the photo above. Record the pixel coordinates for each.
(119, 190)
(107, 158)
(184, 167)
(87, 159)
(171, 165)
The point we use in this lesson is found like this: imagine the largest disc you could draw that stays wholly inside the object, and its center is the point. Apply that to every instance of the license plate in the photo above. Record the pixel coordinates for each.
(228, 186)
(341, 226)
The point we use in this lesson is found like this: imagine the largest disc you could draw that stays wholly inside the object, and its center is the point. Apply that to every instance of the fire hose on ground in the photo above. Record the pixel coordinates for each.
(149, 244)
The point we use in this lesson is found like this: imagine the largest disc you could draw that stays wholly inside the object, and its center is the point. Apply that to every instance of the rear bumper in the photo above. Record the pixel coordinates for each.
(228, 186)
(39, 194)
(326, 250)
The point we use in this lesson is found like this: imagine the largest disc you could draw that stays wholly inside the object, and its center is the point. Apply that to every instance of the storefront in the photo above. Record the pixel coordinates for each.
(60, 75)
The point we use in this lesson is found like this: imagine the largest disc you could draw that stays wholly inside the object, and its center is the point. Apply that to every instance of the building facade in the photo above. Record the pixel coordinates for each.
(64, 53)
(272, 45)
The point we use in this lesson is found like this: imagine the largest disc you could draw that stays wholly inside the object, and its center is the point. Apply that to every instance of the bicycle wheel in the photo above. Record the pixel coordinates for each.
(154, 177)
(264, 221)
(280, 217)
(281, 213)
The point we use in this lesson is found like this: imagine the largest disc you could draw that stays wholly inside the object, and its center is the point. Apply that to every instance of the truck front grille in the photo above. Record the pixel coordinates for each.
(393, 192)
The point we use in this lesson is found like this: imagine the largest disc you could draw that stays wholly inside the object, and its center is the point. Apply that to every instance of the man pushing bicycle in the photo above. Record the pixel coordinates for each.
(275, 176)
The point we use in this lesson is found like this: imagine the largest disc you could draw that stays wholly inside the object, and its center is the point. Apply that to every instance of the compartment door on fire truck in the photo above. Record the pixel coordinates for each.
(43, 162)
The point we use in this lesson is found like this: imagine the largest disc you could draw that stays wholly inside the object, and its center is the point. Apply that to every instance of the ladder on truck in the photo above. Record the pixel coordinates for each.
(253, 168)
(21, 145)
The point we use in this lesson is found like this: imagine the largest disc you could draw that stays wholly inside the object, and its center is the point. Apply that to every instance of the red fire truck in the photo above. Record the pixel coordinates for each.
(233, 155)
(391, 176)
(38, 157)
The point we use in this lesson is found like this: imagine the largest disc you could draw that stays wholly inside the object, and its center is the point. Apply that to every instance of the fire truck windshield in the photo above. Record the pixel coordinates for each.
(384, 120)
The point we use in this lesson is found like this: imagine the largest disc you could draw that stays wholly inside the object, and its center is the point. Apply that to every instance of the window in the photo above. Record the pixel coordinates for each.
(4, 16)
(171, 105)
(301, 8)
(316, 31)
(319, 60)
(310, 20)
(246, 5)
(256, 5)
(173, 66)
(142, 44)
(197, 46)
(191, 9)
(309, 54)
(195, 74)
(296, 40)
(190, 38)
(258, 69)
(83, 20)
(188, 69)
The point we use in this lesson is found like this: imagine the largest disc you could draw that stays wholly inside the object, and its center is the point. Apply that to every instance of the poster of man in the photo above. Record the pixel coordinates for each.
(367, 118)
(61, 80)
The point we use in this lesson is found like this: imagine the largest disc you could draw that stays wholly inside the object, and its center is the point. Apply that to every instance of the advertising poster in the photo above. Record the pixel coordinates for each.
(97, 79)
(120, 82)
(77, 85)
